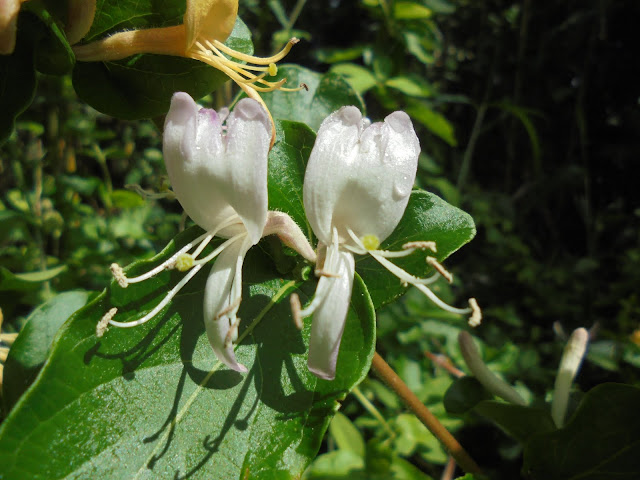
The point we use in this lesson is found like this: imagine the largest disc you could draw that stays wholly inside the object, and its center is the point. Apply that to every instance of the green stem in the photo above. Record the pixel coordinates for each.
(370, 407)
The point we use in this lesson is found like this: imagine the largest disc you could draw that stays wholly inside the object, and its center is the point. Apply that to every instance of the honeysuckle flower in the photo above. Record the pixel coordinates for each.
(219, 176)
(572, 357)
(206, 25)
(356, 187)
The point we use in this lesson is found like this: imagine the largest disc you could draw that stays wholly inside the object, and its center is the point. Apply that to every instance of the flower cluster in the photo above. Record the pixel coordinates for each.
(357, 185)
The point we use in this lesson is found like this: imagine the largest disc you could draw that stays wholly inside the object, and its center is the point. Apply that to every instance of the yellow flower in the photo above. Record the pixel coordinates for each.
(206, 25)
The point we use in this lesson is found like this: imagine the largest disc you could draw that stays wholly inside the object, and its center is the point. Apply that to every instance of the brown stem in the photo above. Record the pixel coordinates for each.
(391, 378)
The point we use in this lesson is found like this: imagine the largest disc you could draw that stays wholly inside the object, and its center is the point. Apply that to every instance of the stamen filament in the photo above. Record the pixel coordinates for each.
(172, 293)
(250, 58)
(419, 283)
(219, 250)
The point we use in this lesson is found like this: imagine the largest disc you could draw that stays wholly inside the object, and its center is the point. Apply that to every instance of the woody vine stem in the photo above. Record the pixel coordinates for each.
(391, 378)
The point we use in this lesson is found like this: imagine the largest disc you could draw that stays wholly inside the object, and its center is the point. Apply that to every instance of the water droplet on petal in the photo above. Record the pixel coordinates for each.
(402, 188)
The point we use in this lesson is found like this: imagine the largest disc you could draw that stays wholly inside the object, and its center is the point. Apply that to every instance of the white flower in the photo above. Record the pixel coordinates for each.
(219, 175)
(356, 188)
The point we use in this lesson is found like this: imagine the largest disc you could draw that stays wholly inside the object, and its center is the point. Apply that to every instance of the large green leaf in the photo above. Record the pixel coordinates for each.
(326, 93)
(141, 86)
(600, 442)
(29, 351)
(153, 401)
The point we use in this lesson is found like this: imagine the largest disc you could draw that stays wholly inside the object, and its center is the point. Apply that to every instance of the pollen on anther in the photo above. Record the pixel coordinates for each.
(184, 262)
(273, 69)
(424, 245)
(476, 313)
(103, 324)
(118, 274)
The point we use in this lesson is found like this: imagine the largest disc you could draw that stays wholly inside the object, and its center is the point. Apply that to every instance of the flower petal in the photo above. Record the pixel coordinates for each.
(211, 19)
(222, 293)
(216, 175)
(330, 316)
(359, 175)
(247, 148)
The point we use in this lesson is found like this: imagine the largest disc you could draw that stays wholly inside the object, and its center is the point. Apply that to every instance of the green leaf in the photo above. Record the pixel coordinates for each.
(30, 349)
(53, 54)
(327, 93)
(27, 281)
(287, 163)
(134, 14)
(411, 11)
(464, 394)
(346, 435)
(359, 77)
(433, 121)
(600, 442)
(516, 420)
(142, 86)
(336, 465)
(427, 217)
(155, 398)
(413, 87)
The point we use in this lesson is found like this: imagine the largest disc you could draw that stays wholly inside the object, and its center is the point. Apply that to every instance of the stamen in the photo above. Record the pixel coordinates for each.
(174, 291)
(250, 58)
(123, 281)
(118, 274)
(103, 324)
(324, 273)
(232, 334)
(219, 250)
(476, 316)
(296, 308)
(440, 269)
(229, 308)
(420, 245)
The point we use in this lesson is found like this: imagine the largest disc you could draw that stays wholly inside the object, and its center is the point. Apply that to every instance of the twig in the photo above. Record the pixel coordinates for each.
(391, 378)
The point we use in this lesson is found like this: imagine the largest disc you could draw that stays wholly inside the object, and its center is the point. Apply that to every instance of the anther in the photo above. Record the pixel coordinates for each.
(296, 308)
(421, 245)
(273, 69)
(304, 85)
(119, 275)
(440, 269)
(324, 273)
(103, 324)
(184, 262)
(232, 334)
(476, 314)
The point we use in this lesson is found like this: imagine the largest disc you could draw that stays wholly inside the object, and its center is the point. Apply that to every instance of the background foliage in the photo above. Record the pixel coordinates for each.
(528, 118)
